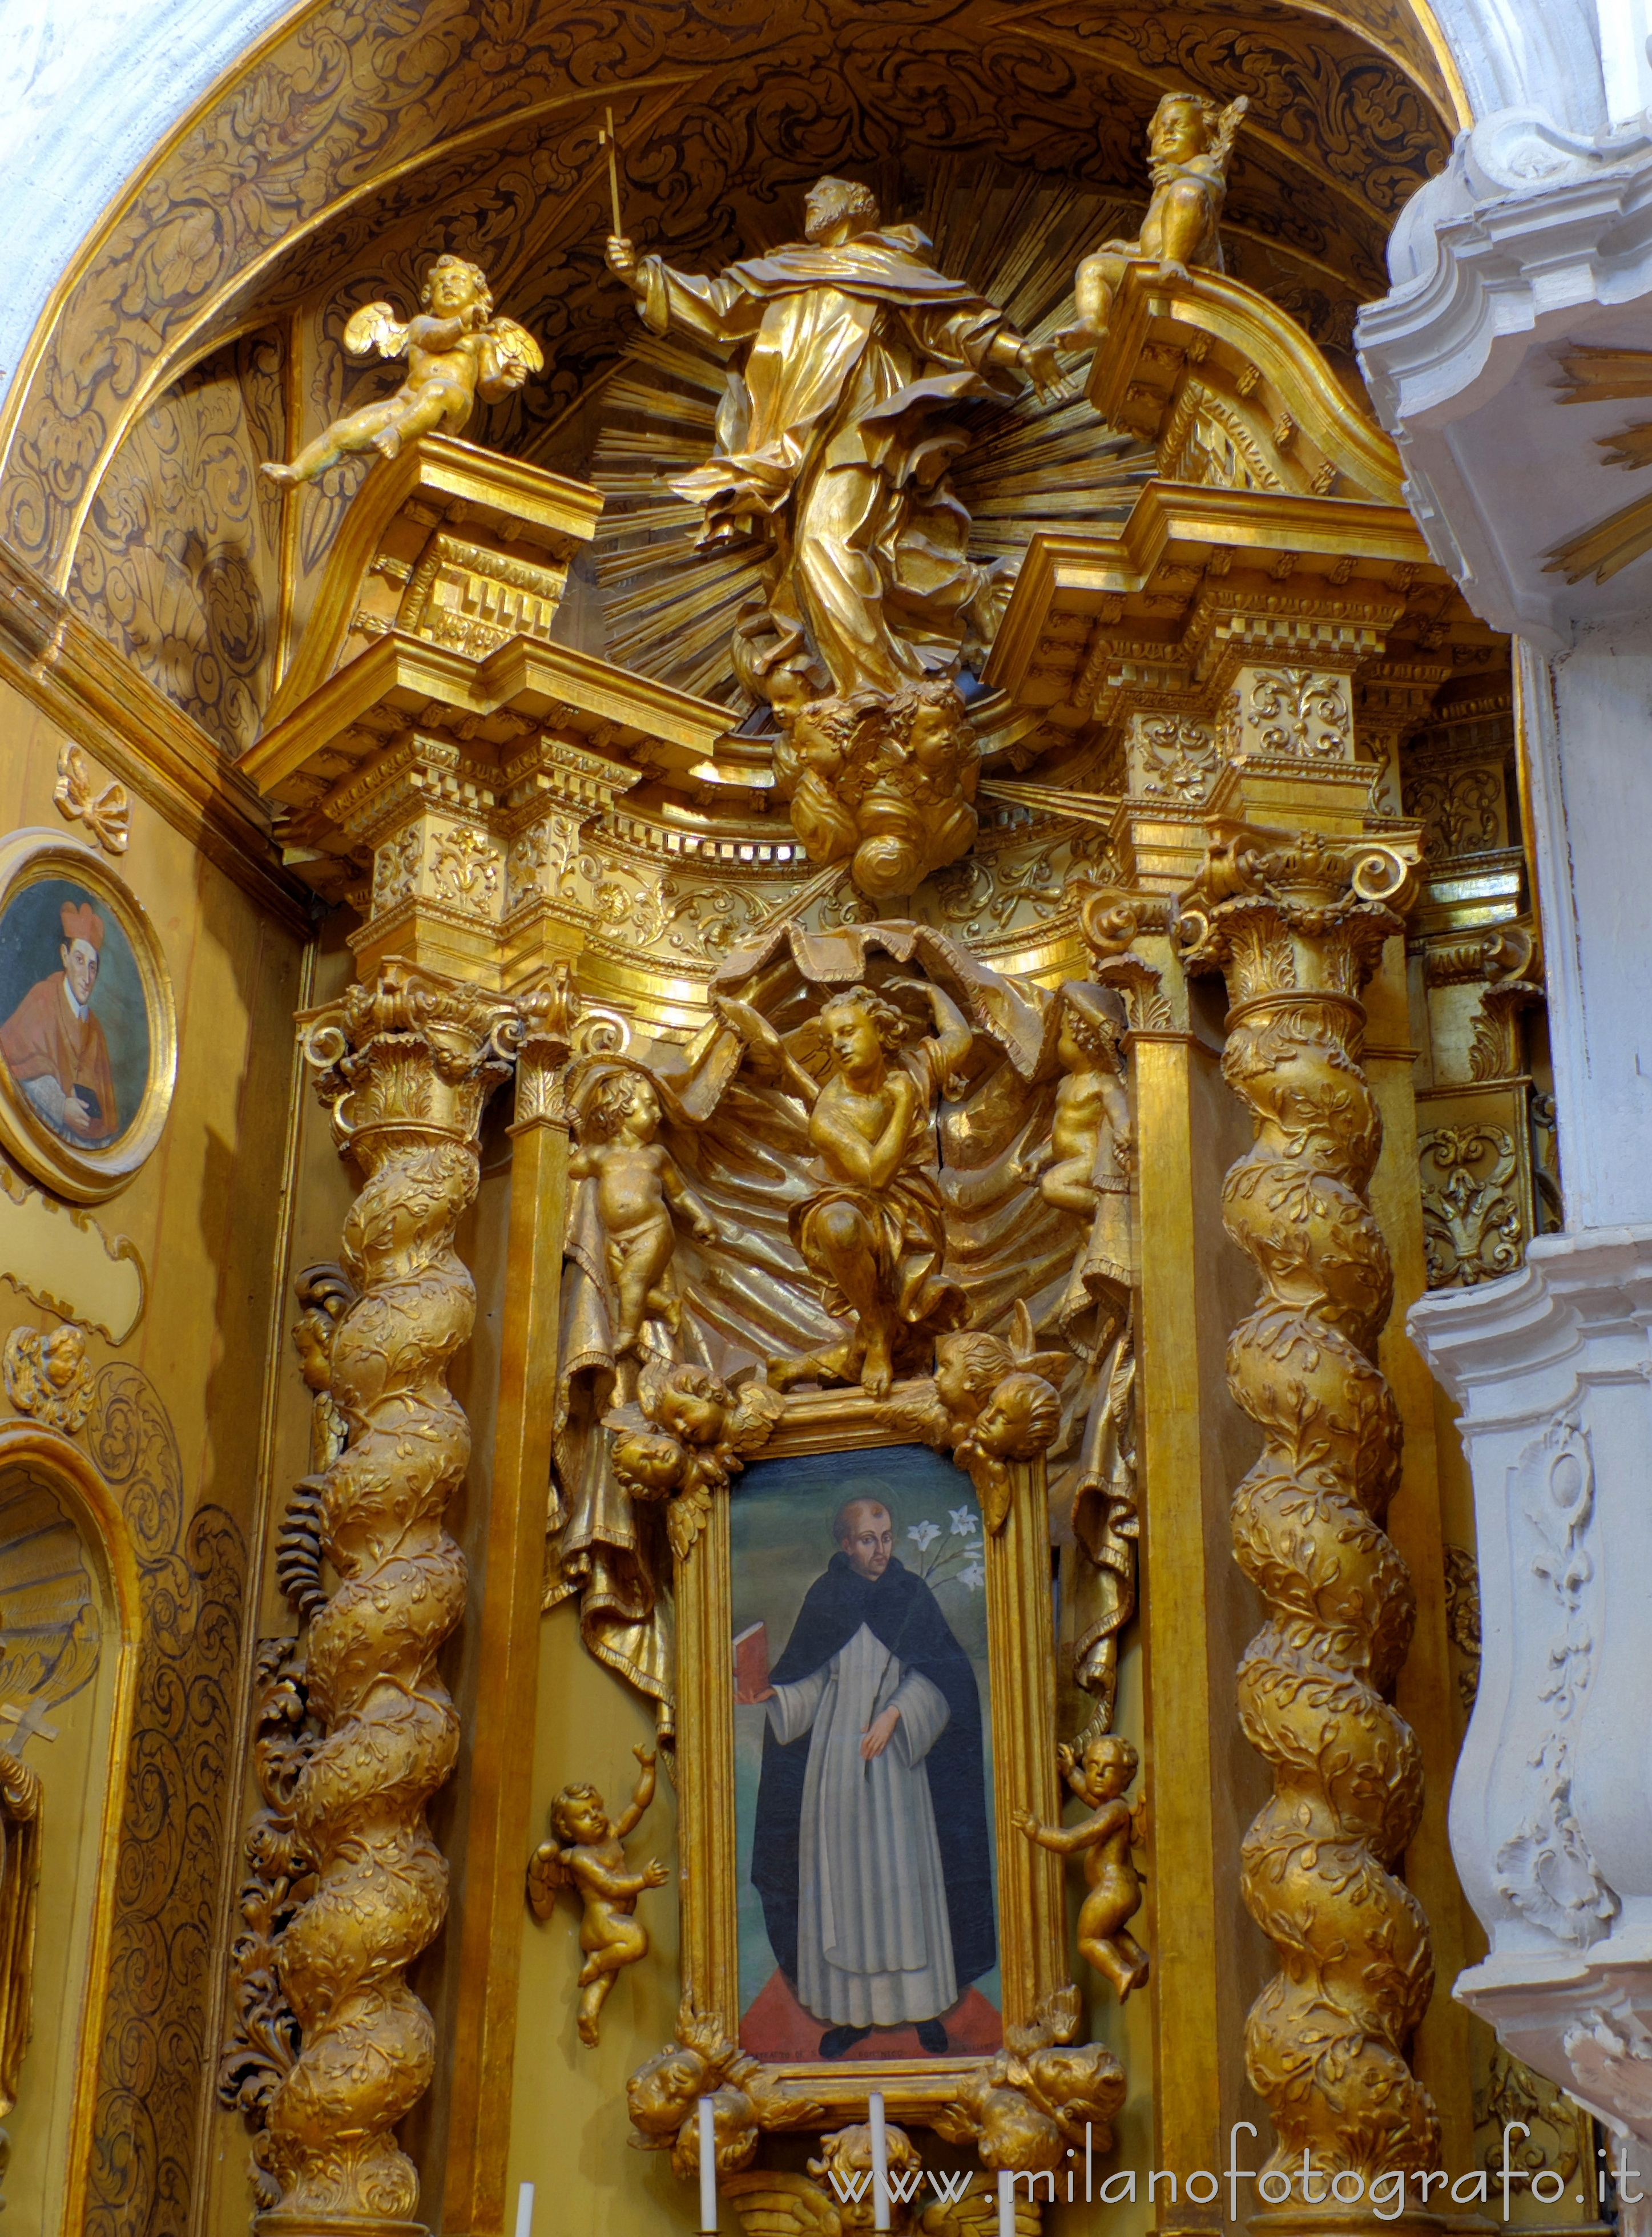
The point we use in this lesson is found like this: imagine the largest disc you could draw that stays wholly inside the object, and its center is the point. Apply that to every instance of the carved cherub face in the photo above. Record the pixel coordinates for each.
(660, 2090)
(967, 1366)
(1018, 1419)
(1104, 1770)
(311, 1340)
(60, 1352)
(1178, 132)
(866, 1536)
(851, 1034)
(1080, 1047)
(650, 1465)
(454, 286)
(693, 1407)
(848, 2154)
(578, 1816)
(1084, 1042)
(641, 1122)
(1075, 2084)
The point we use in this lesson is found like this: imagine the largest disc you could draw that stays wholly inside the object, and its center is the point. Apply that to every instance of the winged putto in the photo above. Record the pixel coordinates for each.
(456, 350)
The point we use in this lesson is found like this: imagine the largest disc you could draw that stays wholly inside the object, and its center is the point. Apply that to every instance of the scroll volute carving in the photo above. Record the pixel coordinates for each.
(1113, 920)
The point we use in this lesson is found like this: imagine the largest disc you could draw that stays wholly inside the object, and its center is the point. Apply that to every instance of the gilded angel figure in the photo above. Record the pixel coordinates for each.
(588, 1856)
(873, 1234)
(456, 350)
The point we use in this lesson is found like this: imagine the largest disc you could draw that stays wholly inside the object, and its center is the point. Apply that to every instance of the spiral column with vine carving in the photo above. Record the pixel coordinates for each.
(1297, 926)
(405, 1064)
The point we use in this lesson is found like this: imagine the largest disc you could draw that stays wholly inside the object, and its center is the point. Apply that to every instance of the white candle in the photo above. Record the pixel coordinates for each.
(707, 2168)
(525, 2210)
(880, 2163)
(1006, 2203)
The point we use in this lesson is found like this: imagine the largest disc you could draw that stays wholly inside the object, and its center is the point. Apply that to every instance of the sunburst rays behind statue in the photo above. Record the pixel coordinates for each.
(671, 610)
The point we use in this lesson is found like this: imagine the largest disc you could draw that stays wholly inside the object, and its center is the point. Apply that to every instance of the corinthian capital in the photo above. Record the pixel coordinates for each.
(410, 1050)
(1284, 913)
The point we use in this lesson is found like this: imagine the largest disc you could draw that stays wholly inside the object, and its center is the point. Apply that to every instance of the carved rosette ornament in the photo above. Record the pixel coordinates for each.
(405, 1064)
(1297, 928)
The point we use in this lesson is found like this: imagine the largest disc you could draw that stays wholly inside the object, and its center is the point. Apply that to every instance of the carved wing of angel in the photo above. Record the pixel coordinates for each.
(515, 344)
(916, 1412)
(1226, 125)
(975, 2214)
(375, 327)
(753, 1420)
(772, 2205)
(1051, 1365)
(547, 1876)
(627, 1417)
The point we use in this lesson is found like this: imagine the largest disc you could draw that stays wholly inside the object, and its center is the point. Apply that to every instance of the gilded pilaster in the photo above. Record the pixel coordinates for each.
(405, 1064)
(501, 1765)
(1297, 926)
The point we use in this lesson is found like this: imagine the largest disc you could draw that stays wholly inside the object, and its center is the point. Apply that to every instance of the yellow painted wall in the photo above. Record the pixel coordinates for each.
(206, 1214)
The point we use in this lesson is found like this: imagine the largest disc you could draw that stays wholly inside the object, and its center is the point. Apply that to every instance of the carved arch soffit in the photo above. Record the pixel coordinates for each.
(197, 253)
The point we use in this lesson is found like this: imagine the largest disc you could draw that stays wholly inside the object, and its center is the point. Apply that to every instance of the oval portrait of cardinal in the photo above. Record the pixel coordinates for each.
(86, 1039)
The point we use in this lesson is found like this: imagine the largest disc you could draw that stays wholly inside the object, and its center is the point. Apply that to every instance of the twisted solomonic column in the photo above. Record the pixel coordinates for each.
(405, 1064)
(1297, 926)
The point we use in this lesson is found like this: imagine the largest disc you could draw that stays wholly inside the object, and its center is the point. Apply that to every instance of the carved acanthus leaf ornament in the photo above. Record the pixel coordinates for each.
(1297, 928)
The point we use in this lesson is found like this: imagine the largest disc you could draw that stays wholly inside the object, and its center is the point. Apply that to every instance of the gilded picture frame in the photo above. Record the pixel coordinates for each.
(1031, 1904)
(89, 1042)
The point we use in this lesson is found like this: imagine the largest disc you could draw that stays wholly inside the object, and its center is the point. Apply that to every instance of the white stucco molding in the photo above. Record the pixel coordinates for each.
(1551, 1807)
(1532, 238)
(1511, 51)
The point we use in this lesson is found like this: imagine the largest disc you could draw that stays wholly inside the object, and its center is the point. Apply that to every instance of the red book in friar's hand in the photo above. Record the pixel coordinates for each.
(751, 1664)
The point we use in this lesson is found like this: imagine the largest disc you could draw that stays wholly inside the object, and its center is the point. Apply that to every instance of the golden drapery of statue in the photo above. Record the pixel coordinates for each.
(833, 440)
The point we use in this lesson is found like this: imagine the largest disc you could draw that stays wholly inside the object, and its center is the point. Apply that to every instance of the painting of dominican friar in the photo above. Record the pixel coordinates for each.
(74, 1026)
(863, 1759)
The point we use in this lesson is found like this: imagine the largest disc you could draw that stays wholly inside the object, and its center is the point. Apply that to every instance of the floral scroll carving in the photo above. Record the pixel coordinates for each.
(1301, 712)
(191, 1581)
(1545, 1867)
(1472, 1228)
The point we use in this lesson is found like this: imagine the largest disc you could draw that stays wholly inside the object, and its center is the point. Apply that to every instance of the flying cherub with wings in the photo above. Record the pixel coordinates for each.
(456, 350)
(588, 1856)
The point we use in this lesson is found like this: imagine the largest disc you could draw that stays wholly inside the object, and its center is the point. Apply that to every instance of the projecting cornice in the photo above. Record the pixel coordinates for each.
(98, 700)
(1532, 241)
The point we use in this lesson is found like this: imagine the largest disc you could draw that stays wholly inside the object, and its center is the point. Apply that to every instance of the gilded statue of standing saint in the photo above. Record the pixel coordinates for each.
(833, 437)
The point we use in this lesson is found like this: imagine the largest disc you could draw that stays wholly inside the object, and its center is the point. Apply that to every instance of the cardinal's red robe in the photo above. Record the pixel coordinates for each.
(43, 1038)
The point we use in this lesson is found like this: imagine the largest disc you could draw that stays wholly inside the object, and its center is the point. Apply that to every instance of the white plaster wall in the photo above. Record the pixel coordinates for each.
(87, 88)
(1592, 798)
(1539, 54)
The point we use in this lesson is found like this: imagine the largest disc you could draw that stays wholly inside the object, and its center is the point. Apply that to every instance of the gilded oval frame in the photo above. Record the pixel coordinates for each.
(86, 1174)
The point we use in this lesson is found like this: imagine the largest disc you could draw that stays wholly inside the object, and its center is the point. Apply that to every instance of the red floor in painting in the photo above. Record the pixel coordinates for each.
(778, 2030)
